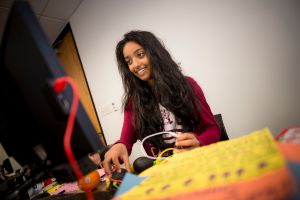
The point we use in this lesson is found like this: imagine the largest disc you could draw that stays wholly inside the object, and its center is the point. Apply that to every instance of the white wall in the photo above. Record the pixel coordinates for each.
(244, 54)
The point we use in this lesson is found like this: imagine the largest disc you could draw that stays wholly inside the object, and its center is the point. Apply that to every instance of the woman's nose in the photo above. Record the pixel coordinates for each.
(135, 63)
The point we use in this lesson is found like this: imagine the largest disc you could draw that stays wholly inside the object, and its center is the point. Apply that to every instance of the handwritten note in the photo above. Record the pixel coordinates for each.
(216, 165)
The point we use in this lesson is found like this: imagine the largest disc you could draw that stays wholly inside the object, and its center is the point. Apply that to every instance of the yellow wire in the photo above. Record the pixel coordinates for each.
(162, 153)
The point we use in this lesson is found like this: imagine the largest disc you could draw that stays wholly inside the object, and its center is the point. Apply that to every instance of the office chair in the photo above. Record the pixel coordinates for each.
(219, 120)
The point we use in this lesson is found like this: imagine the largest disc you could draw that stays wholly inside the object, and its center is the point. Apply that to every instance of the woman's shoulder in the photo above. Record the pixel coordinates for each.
(128, 105)
(190, 80)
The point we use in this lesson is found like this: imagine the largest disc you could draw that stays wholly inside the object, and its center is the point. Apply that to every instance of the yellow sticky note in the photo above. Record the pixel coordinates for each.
(53, 189)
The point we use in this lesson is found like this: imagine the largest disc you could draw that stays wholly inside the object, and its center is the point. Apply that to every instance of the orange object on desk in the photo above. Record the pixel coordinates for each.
(90, 180)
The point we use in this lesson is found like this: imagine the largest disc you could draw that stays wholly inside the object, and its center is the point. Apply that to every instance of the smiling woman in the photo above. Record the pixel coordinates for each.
(158, 98)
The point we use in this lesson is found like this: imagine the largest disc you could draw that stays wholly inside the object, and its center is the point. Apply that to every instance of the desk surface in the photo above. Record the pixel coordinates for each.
(98, 195)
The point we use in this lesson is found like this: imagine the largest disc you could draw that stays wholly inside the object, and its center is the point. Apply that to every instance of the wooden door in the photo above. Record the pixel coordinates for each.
(68, 55)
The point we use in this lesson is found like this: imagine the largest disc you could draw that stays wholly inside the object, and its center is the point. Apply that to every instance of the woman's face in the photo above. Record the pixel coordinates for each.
(138, 61)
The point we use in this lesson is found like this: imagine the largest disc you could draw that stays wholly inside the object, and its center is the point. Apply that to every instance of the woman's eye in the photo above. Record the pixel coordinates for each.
(141, 54)
(128, 62)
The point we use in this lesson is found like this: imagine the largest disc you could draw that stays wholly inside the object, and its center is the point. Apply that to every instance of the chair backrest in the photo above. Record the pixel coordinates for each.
(219, 120)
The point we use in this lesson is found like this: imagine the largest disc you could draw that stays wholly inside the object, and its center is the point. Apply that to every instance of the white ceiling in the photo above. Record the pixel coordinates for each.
(52, 14)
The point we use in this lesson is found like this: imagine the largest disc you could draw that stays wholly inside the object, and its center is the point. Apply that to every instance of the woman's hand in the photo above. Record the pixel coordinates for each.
(185, 142)
(116, 154)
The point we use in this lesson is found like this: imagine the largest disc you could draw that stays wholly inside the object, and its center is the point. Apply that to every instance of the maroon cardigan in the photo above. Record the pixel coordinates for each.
(207, 132)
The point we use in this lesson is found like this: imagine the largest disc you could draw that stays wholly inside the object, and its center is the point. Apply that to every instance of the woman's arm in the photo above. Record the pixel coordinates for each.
(208, 130)
(128, 136)
(119, 152)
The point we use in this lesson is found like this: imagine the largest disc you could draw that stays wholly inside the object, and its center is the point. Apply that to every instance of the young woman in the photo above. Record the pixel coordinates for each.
(158, 97)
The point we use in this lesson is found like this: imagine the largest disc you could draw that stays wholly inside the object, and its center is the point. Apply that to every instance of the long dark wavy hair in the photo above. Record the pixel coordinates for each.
(170, 89)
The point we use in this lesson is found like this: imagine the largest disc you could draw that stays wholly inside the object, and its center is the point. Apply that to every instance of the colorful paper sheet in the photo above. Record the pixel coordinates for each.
(220, 164)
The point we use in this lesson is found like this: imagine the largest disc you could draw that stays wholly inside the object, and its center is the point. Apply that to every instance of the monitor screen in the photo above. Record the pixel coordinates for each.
(33, 117)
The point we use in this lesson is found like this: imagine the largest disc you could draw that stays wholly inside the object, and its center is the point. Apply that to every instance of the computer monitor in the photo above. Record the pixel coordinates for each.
(32, 116)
